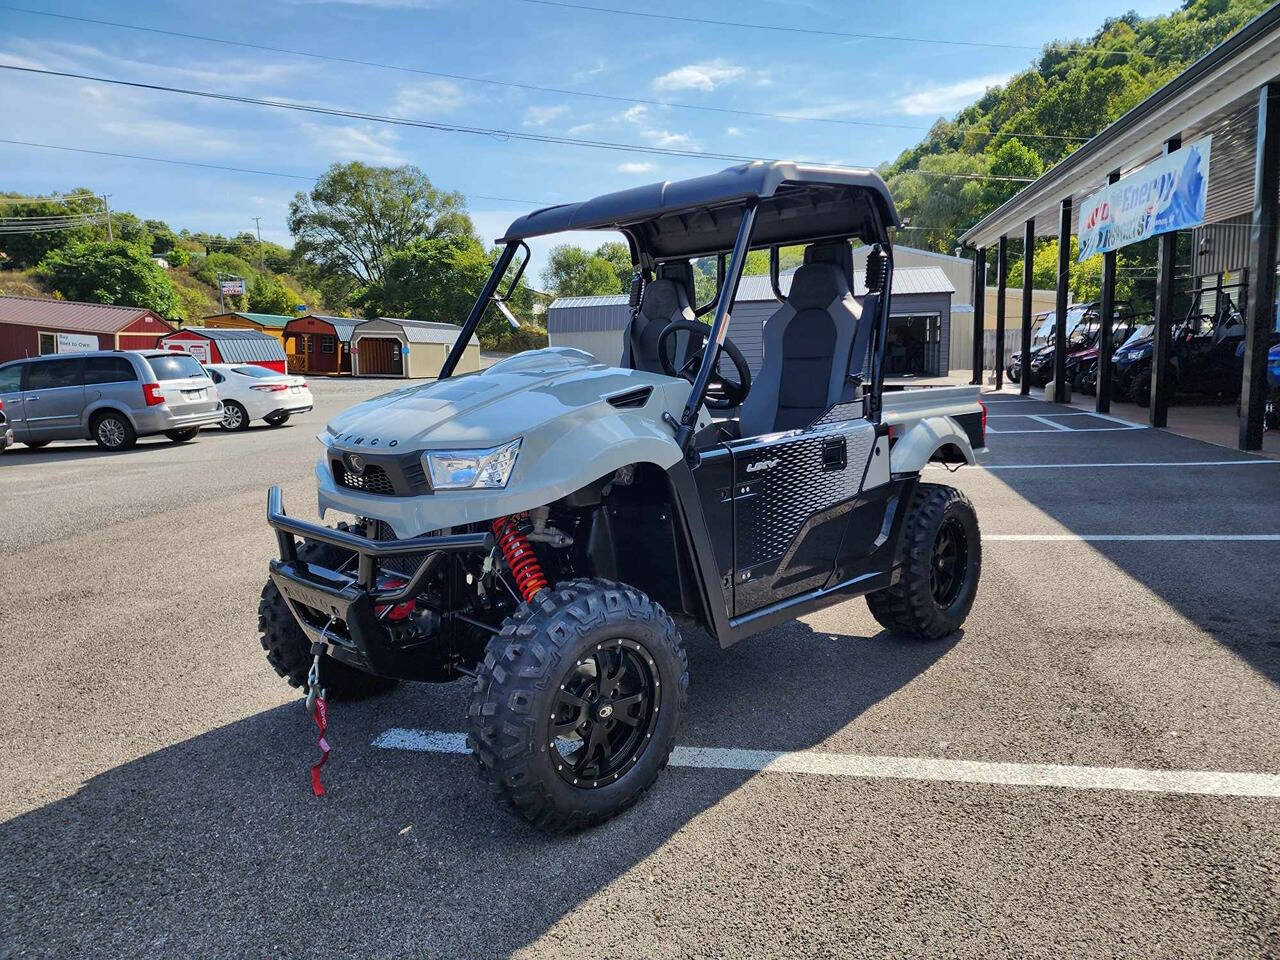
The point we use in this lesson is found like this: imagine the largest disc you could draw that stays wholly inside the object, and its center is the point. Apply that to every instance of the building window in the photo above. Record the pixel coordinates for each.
(326, 344)
(48, 344)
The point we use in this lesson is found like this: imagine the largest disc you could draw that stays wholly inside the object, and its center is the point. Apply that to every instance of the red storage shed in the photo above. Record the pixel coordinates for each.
(31, 326)
(320, 344)
(217, 345)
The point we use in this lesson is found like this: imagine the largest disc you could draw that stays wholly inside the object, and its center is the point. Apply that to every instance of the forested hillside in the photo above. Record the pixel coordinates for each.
(1073, 90)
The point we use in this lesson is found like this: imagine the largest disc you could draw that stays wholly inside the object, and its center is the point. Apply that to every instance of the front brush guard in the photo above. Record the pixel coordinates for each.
(338, 610)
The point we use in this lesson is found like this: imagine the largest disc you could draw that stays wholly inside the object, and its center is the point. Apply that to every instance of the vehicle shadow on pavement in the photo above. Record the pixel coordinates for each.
(1225, 588)
(216, 847)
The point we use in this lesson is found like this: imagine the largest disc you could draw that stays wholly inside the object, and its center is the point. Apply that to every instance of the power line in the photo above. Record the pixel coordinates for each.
(495, 133)
(50, 199)
(519, 85)
(214, 166)
(777, 27)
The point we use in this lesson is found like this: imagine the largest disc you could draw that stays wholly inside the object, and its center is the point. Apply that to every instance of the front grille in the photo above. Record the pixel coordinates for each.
(381, 530)
(373, 480)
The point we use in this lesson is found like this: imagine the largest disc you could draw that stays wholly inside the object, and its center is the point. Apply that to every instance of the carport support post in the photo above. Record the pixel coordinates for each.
(1162, 338)
(1002, 277)
(979, 310)
(1028, 266)
(1260, 319)
(1108, 309)
(1060, 305)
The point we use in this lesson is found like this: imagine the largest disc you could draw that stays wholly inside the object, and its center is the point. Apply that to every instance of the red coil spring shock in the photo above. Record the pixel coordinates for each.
(521, 559)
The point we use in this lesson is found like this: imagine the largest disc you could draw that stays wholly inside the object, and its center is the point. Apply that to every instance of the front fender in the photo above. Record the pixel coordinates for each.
(916, 447)
(553, 463)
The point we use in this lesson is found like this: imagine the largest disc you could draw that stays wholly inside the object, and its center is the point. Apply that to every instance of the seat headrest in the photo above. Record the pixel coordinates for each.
(838, 252)
(679, 272)
(817, 282)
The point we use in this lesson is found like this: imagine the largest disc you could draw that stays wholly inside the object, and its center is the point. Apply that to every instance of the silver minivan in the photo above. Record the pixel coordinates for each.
(110, 396)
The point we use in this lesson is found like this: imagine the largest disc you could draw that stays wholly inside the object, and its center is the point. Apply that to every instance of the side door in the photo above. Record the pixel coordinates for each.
(795, 497)
(111, 381)
(53, 398)
(11, 397)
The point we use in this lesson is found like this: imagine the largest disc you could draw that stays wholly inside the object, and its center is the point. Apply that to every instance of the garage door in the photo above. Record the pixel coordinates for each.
(380, 356)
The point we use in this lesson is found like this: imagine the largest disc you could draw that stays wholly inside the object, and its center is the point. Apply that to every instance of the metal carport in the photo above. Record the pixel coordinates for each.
(1233, 93)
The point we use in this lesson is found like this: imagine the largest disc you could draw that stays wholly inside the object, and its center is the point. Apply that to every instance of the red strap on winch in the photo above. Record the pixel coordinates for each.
(320, 713)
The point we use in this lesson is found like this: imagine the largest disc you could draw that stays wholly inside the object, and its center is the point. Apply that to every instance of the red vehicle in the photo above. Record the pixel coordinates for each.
(1081, 363)
(1083, 325)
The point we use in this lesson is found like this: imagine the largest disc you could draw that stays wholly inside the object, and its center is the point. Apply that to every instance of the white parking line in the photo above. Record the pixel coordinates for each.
(1203, 782)
(1092, 466)
(1048, 422)
(1005, 433)
(1121, 537)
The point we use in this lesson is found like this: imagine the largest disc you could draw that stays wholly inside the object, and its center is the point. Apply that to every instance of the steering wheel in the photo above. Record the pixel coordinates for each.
(727, 393)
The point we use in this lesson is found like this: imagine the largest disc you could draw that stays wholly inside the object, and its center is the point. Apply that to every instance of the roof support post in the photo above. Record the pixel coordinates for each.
(1060, 304)
(1108, 309)
(1162, 337)
(1028, 264)
(979, 310)
(1259, 313)
(1002, 278)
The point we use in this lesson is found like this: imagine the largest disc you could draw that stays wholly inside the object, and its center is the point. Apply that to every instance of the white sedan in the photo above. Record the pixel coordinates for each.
(250, 392)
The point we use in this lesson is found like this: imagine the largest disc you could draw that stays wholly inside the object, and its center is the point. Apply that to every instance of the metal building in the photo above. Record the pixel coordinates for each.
(320, 344)
(214, 345)
(1231, 95)
(391, 347)
(919, 329)
(31, 326)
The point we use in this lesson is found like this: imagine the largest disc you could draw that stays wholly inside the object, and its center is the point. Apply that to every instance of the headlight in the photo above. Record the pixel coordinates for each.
(471, 469)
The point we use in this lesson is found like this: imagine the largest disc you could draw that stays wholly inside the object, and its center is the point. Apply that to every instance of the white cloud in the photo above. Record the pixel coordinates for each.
(665, 138)
(700, 76)
(356, 141)
(541, 116)
(428, 98)
(641, 167)
(734, 132)
(947, 98)
(635, 114)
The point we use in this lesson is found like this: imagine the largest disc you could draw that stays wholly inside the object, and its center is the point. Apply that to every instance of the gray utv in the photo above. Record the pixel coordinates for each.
(534, 527)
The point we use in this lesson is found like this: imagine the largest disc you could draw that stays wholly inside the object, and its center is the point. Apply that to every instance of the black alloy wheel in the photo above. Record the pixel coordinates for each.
(950, 561)
(604, 714)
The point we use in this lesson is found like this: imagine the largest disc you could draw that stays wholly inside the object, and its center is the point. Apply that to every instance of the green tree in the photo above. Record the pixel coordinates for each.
(1011, 160)
(356, 216)
(268, 295)
(619, 257)
(573, 272)
(25, 250)
(432, 278)
(112, 272)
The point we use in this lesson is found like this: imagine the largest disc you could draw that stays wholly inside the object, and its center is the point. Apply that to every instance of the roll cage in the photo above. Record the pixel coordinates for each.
(724, 215)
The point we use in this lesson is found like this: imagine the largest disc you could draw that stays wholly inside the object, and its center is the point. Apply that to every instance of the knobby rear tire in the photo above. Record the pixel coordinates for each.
(518, 683)
(909, 609)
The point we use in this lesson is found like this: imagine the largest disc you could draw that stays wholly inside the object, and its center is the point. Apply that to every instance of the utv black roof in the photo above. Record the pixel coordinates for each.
(797, 203)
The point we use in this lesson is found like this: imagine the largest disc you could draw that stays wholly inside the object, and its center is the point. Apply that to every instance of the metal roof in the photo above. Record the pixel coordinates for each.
(273, 320)
(237, 345)
(69, 314)
(755, 288)
(700, 215)
(907, 281)
(228, 333)
(420, 331)
(1196, 101)
(342, 326)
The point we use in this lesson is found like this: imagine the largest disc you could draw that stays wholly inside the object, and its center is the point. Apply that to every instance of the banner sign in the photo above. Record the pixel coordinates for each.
(1167, 194)
(76, 342)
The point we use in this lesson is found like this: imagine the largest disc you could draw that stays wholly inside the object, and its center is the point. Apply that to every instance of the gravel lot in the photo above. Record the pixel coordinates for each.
(155, 797)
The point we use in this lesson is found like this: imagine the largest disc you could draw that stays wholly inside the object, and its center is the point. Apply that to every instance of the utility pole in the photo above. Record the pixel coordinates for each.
(257, 222)
(110, 234)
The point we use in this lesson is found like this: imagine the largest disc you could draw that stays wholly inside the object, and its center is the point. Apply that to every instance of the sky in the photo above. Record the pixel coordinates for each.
(905, 85)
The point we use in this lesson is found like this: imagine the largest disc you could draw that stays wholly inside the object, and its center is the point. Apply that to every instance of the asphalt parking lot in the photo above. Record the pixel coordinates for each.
(156, 798)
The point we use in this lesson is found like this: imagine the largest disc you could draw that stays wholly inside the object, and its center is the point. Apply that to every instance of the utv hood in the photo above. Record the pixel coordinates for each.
(577, 420)
(512, 398)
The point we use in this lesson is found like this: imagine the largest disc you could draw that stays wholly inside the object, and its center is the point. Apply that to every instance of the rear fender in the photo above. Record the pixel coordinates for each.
(924, 440)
